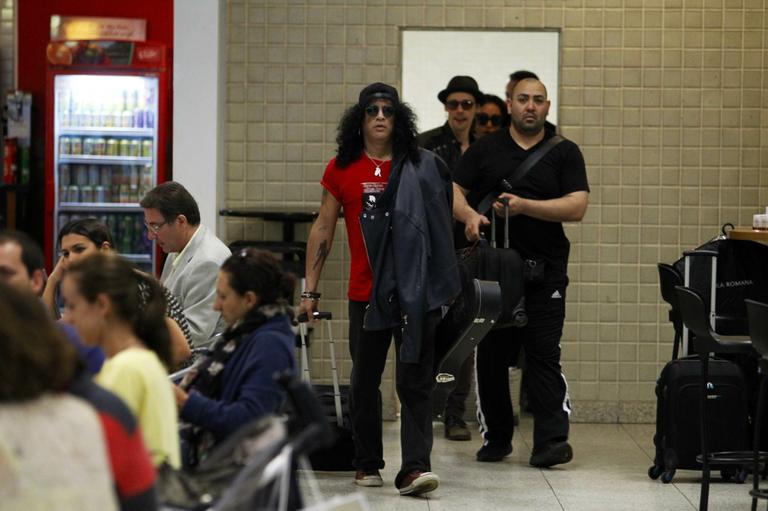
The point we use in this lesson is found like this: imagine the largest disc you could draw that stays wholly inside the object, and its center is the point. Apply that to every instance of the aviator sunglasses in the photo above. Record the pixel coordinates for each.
(484, 118)
(454, 104)
(373, 110)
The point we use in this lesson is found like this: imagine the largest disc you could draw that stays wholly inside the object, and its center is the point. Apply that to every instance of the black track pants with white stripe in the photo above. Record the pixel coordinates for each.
(545, 383)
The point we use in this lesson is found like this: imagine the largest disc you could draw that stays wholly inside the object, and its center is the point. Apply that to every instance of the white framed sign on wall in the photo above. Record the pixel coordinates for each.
(431, 57)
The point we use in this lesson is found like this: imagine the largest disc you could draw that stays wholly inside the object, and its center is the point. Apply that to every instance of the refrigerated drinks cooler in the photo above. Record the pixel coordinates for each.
(105, 151)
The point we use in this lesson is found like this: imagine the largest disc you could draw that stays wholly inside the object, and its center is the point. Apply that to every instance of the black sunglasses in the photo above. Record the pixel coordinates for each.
(373, 110)
(483, 119)
(454, 104)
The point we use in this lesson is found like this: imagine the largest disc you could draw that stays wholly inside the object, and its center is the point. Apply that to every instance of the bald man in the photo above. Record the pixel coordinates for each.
(555, 190)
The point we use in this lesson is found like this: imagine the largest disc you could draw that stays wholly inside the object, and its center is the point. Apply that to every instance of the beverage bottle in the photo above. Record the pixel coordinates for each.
(24, 165)
(138, 236)
(126, 238)
(65, 175)
(9, 162)
(112, 224)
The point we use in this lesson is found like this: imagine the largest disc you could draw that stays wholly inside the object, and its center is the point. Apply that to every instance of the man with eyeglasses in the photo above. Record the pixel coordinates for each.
(194, 253)
(397, 210)
(555, 190)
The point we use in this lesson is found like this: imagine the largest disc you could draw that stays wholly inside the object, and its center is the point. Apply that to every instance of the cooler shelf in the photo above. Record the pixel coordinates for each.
(116, 160)
(138, 132)
(103, 207)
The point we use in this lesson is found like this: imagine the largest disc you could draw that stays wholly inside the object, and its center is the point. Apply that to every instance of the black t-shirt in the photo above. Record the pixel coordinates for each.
(560, 172)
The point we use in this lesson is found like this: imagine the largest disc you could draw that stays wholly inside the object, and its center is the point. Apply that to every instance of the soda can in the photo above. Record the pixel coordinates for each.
(125, 147)
(65, 175)
(94, 175)
(114, 195)
(126, 119)
(86, 193)
(105, 176)
(117, 118)
(87, 146)
(146, 148)
(99, 146)
(134, 192)
(135, 148)
(64, 193)
(134, 176)
(100, 194)
(74, 194)
(112, 147)
(81, 175)
(76, 146)
(139, 117)
(149, 121)
(65, 145)
(108, 119)
(125, 193)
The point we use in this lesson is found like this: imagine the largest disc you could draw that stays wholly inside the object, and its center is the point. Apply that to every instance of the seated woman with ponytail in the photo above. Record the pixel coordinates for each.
(108, 310)
(234, 384)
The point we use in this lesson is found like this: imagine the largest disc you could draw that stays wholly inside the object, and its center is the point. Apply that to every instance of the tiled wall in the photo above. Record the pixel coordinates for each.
(668, 100)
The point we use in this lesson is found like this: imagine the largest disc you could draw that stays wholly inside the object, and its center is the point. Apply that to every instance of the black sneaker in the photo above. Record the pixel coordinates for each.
(494, 452)
(551, 454)
(456, 429)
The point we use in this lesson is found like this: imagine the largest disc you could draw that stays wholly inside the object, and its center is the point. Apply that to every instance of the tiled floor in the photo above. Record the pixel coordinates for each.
(609, 472)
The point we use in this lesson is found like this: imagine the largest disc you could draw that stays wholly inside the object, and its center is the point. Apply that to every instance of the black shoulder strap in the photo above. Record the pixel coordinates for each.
(520, 171)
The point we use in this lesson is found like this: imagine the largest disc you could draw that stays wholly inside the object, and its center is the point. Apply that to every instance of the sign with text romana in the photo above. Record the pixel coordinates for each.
(88, 28)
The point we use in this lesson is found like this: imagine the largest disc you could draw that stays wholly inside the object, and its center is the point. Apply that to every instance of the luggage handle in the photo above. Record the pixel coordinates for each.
(303, 318)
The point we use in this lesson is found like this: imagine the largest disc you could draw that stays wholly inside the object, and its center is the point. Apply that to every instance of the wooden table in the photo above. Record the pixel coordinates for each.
(748, 234)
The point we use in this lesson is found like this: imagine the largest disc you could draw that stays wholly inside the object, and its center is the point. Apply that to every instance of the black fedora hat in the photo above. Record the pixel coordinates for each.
(461, 84)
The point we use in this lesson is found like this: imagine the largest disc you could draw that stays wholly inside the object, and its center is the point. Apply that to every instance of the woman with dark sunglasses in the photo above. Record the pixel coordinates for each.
(492, 115)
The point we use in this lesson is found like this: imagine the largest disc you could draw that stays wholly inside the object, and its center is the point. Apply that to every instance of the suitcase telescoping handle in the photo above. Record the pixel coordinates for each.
(303, 318)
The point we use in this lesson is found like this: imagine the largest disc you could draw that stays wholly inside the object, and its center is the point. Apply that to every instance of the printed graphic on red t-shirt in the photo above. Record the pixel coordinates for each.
(356, 187)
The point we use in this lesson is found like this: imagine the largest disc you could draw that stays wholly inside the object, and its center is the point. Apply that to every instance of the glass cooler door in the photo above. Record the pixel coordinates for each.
(105, 156)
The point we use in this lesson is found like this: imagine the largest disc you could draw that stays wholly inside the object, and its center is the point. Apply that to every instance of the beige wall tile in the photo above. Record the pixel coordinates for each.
(666, 100)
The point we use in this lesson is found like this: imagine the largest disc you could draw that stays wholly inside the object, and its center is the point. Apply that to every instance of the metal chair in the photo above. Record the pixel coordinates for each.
(694, 314)
(757, 313)
(668, 279)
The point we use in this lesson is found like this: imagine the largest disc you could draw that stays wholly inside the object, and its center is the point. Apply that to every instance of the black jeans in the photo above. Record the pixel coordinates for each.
(414, 384)
(545, 382)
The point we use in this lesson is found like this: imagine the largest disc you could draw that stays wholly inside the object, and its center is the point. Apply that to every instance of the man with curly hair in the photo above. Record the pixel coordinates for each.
(397, 209)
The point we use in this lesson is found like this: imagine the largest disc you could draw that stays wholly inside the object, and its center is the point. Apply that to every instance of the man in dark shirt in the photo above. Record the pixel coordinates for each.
(449, 141)
(554, 191)
(522, 74)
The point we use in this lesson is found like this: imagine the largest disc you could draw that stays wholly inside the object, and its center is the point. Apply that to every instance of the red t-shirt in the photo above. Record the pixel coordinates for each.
(356, 187)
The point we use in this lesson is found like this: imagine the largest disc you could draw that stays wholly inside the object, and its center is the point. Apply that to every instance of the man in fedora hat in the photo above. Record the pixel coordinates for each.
(449, 141)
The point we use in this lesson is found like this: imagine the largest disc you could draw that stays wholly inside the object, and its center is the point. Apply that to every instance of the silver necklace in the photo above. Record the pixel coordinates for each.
(376, 172)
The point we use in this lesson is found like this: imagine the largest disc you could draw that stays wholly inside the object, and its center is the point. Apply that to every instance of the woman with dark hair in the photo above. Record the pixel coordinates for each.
(107, 309)
(53, 451)
(397, 210)
(87, 236)
(491, 116)
(235, 383)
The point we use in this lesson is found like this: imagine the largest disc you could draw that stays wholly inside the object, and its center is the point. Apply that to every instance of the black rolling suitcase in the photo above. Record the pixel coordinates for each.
(334, 400)
(677, 439)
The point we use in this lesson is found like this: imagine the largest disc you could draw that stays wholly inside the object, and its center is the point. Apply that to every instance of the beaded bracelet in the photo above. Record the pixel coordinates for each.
(310, 295)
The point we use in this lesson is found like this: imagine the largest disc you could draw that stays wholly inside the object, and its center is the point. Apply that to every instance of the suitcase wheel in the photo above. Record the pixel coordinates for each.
(737, 475)
(655, 471)
(667, 476)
